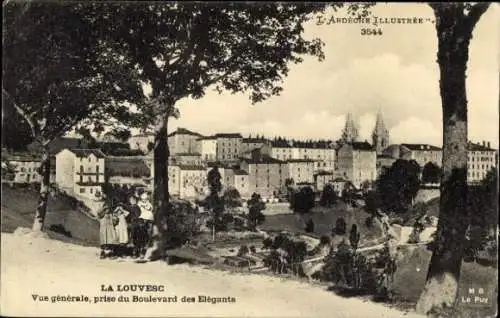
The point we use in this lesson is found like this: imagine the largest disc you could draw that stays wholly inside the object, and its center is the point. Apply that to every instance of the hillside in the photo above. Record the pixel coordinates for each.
(324, 221)
(18, 210)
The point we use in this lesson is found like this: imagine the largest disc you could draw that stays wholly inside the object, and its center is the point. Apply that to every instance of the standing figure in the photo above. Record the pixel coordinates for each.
(107, 233)
(146, 220)
(121, 229)
(132, 219)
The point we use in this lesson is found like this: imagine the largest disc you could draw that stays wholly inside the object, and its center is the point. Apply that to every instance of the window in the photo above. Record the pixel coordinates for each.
(81, 169)
(82, 190)
(97, 169)
(91, 190)
(90, 159)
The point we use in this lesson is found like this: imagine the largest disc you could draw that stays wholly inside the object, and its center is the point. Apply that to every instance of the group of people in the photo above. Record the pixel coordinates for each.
(126, 228)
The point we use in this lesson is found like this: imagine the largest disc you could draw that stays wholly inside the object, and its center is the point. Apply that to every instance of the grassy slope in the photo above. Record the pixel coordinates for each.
(412, 270)
(18, 210)
(324, 221)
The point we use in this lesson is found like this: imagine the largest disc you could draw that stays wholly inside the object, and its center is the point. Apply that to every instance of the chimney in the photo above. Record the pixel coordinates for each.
(489, 144)
(484, 143)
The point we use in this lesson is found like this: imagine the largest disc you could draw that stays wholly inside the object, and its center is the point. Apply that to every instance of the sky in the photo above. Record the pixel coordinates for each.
(395, 73)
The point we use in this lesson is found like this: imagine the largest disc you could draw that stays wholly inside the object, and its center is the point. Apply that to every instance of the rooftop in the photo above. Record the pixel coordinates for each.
(479, 147)
(191, 167)
(184, 131)
(361, 145)
(240, 172)
(416, 147)
(300, 160)
(254, 140)
(229, 135)
(264, 159)
(83, 153)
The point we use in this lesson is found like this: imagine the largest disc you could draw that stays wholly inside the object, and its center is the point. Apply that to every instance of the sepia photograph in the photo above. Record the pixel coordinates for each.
(249, 159)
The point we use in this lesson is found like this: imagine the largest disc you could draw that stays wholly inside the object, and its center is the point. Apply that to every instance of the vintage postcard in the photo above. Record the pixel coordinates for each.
(249, 159)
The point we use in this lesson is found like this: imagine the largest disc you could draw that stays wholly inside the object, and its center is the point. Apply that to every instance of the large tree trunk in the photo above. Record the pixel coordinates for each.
(160, 194)
(441, 285)
(41, 208)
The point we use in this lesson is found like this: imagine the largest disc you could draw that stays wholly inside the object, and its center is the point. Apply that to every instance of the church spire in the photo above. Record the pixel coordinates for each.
(380, 135)
(350, 132)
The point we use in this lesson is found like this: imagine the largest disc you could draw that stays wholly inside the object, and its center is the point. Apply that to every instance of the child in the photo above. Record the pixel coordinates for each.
(146, 220)
(107, 233)
(121, 229)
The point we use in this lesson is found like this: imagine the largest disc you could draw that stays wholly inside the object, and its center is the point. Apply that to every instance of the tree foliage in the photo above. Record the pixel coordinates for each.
(431, 173)
(255, 208)
(328, 196)
(303, 200)
(399, 185)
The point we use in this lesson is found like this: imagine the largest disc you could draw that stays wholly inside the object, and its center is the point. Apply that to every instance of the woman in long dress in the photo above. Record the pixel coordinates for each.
(121, 229)
(107, 233)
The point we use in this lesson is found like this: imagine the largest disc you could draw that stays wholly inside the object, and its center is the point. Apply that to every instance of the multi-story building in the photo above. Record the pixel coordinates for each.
(228, 147)
(301, 170)
(322, 154)
(207, 148)
(81, 171)
(266, 175)
(357, 162)
(25, 168)
(129, 171)
(241, 183)
(384, 162)
(186, 159)
(143, 142)
(187, 181)
(322, 178)
(481, 158)
(183, 141)
(249, 144)
(421, 153)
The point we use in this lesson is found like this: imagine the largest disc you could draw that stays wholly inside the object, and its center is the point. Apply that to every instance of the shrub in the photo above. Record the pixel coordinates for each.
(328, 196)
(309, 226)
(340, 227)
(243, 250)
(303, 200)
(180, 224)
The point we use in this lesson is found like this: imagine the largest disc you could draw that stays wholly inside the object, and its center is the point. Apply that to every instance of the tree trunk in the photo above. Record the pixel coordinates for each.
(41, 209)
(160, 192)
(441, 285)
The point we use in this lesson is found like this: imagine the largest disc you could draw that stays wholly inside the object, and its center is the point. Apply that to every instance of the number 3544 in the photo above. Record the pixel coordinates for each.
(371, 31)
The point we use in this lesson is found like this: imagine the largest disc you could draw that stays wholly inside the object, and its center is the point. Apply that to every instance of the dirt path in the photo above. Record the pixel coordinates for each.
(46, 267)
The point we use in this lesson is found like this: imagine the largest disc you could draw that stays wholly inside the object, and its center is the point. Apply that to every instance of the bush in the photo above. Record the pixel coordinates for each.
(303, 200)
(340, 227)
(328, 196)
(309, 226)
(243, 250)
(180, 224)
(294, 253)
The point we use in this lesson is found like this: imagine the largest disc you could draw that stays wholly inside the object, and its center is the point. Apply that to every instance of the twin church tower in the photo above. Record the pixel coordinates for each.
(380, 135)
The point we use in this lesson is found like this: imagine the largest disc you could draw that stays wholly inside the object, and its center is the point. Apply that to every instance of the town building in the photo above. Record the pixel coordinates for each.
(241, 183)
(81, 171)
(384, 162)
(322, 178)
(249, 144)
(143, 142)
(340, 184)
(187, 181)
(481, 158)
(301, 170)
(228, 147)
(421, 153)
(357, 162)
(128, 171)
(207, 148)
(266, 175)
(380, 135)
(25, 168)
(183, 141)
(322, 153)
(186, 159)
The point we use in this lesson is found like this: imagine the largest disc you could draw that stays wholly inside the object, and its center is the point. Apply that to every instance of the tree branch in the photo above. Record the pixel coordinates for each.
(23, 113)
(476, 11)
